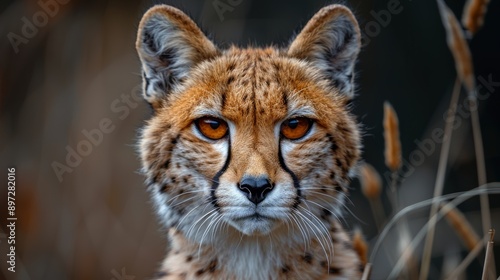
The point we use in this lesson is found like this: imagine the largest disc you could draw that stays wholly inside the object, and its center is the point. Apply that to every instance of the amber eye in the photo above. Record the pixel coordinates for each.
(212, 128)
(295, 128)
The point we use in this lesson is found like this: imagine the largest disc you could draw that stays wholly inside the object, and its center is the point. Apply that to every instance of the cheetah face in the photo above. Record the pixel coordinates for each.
(249, 141)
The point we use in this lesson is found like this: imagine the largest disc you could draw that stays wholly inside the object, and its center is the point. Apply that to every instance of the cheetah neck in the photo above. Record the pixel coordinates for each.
(236, 256)
(253, 257)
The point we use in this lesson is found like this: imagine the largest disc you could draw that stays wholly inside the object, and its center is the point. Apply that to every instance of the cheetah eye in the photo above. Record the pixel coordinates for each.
(296, 128)
(212, 128)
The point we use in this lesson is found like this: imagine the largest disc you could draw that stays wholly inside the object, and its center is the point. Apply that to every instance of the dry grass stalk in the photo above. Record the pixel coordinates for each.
(393, 160)
(360, 246)
(488, 256)
(462, 227)
(493, 188)
(459, 270)
(391, 136)
(371, 186)
(463, 63)
(458, 46)
(367, 272)
(480, 163)
(473, 15)
(438, 185)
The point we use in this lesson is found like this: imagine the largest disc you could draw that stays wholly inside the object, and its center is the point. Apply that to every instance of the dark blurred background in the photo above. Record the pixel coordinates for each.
(67, 65)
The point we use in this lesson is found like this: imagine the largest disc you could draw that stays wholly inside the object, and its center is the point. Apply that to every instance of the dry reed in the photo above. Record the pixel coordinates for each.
(393, 160)
(371, 187)
(488, 257)
(463, 63)
(439, 183)
(461, 226)
(371, 184)
(360, 246)
(391, 136)
(473, 15)
(459, 270)
(458, 46)
(367, 271)
(454, 199)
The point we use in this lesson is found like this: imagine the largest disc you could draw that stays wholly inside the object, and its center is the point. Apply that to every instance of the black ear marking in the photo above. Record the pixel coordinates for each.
(341, 70)
(148, 41)
(167, 55)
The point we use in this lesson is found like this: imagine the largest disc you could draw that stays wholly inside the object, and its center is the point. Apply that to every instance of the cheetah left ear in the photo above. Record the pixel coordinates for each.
(169, 45)
(331, 40)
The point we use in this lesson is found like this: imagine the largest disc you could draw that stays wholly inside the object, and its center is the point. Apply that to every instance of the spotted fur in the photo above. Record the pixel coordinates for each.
(215, 231)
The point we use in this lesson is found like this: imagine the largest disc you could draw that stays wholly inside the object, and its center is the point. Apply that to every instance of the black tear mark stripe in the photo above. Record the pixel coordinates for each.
(294, 177)
(215, 179)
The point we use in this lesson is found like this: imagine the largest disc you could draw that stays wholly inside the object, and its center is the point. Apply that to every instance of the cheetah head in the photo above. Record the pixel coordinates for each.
(252, 141)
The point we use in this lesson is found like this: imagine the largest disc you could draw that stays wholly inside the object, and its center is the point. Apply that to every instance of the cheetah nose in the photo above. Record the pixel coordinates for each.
(256, 188)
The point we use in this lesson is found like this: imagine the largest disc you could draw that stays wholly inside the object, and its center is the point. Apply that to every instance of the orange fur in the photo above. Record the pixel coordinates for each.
(194, 181)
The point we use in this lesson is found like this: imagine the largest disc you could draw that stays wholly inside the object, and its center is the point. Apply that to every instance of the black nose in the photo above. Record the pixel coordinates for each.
(256, 188)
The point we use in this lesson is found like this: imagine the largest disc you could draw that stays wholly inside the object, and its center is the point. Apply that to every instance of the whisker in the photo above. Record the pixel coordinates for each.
(341, 204)
(205, 232)
(207, 229)
(185, 216)
(183, 201)
(303, 231)
(325, 232)
(320, 241)
(325, 208)
(190, 228)
(309, 212)
(209, 213)
(184, 193)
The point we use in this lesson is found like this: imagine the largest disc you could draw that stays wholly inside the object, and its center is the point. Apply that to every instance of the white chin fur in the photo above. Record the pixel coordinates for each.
(254, 226)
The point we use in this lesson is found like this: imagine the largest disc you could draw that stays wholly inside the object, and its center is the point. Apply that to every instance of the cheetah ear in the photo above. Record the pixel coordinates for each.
(169, 45)
(331, 40)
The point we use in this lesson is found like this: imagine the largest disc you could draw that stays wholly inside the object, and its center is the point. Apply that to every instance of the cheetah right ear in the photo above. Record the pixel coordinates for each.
(331, 41)
(169, 45)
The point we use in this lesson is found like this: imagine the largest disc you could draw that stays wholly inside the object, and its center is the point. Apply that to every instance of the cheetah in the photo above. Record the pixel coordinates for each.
(249, 152)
